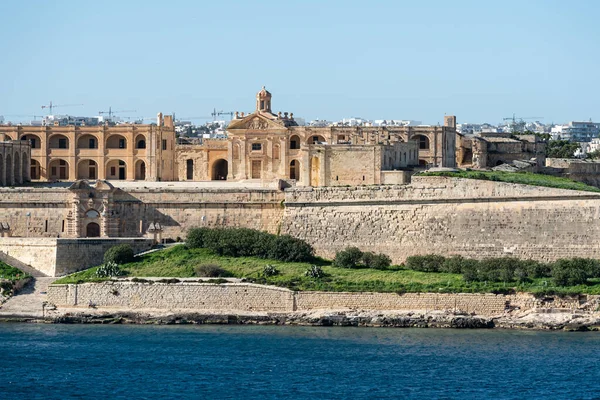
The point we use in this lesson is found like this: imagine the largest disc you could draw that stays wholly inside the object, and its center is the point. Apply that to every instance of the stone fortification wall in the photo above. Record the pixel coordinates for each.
(179, 210)
(56, 257)
(447, 216)
(252, 297)
(181, 296)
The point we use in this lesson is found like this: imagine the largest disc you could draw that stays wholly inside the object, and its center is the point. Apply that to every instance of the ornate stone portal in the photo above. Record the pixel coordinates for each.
(92, 214)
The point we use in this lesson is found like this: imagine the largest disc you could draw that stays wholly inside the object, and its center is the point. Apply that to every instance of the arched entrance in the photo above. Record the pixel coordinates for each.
(87, 169)
(315, 139)
(140, 142)
(219, 170)
(140, 170)
(59, 169)
(9, 171)
(116, 169)
(189, 169)
(423, 142)
(92, 230)
(294, 142)
(295, 170)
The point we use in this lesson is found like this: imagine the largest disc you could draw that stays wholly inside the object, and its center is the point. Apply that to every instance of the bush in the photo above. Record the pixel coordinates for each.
(376, 261)
(195, 238)
(108, 269)
(210, 271)
(428, 263)
(289, 249)
(458, 264)
(120, 254)
(315, 272)
(270, 270)
(575, 271)
(350, 257)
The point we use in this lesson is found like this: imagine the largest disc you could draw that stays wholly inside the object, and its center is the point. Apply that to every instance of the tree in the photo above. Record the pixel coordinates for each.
(561, 149)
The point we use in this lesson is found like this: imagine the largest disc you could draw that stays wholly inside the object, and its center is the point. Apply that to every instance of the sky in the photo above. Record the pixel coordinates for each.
(479, 60)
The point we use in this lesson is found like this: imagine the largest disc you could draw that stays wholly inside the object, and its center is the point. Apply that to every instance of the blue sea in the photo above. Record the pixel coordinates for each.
(279, 362)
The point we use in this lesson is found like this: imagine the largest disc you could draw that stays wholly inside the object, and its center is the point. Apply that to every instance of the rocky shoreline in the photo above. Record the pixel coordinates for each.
(548, 319)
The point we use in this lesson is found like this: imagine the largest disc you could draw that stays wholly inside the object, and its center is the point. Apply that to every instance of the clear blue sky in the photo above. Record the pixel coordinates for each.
(480, 60)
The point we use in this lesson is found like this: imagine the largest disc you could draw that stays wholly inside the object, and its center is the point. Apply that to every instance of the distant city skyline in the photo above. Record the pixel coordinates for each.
(321, 60)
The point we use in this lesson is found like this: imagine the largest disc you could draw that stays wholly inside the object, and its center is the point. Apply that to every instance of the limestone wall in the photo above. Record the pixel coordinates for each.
(39, 253)
(447, 216)
(194, 296)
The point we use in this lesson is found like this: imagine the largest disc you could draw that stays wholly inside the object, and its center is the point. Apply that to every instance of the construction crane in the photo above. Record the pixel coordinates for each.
(51, 106)
(110, 112)
(216, 113)
(518, 126)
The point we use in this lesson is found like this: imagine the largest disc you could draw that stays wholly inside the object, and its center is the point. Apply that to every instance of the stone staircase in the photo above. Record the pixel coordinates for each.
(28, 302)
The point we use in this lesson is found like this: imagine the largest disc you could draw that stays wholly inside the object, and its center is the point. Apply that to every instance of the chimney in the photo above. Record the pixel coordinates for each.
(159, 119)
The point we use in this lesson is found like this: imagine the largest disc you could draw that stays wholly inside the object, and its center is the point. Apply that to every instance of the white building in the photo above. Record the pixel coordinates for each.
(576, 131)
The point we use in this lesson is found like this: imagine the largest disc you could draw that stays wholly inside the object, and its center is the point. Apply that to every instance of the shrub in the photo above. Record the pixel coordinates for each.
(108, 269)
(195, 238)
(575, 271)
(119, 254)
(290, 249)
(315, 272)
(350, 257)
(270, 270)
(428, 263)
(376, 261)
(458, 264)
(210, 271)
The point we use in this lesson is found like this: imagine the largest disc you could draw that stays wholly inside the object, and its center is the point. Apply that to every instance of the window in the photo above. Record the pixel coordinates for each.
(32, 141)
(141, 144)
(113, 171)
(93, 144)
(121, 143)
(423, 142)
(62, 143)
(315, 139)
(164, 144)
(256, 146)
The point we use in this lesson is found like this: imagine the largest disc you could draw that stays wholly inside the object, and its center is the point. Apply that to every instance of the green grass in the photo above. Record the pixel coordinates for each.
(525, 178)
(10, 273)
(179, 262)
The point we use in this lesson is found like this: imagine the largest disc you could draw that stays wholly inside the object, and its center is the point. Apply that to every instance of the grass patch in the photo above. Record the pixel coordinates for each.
(11, 273)
(525, 178)
(180, 262)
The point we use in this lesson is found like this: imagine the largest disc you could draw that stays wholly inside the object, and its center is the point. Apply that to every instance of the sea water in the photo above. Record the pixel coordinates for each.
(40, 361)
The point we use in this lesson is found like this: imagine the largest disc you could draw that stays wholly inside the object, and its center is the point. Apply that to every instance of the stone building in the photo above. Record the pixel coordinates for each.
(121, 152)
(264, 146)
(15, 158)
(487, 150)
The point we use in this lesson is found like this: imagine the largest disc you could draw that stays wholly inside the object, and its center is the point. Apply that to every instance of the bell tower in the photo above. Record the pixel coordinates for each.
(263, 100)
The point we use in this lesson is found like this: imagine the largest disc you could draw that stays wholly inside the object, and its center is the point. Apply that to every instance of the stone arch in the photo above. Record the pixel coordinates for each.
(92, 229)
(116, 169)
(315, 139)
(116, 141)
(34, 140)
(25, 164)
(189, 169)
(295, 170)
(315, 170)
(140, 141)
(59, 169)
(87, 169)
(219, 170)
(9, 170)
(140, 170)
(87, 141)
(18, 177)
(423, 141)
(35, 170)
(58, 141)
(294, 142)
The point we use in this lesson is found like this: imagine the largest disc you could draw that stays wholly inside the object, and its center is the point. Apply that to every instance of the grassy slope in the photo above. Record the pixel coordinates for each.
(526, 178)
(178, 261)
(11, 273)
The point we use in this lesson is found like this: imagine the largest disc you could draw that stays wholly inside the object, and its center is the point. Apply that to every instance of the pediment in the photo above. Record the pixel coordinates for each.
(256, 121)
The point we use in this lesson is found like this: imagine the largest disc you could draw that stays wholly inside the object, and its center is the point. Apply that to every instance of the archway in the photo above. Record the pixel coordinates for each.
(92, 230)
(140, 170)
(189, 169)
(295, 169)
(423, 142)
(58, 142)
(59, 169)
(25, 168)
(87, 142)
(316, 139)
(116, 142)
(116, 169)
(87, 169)
(140, 142)
(33, 140)
(18, 176)
(9, 171)
(219, 170)
(294, 142)
(35, 170)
